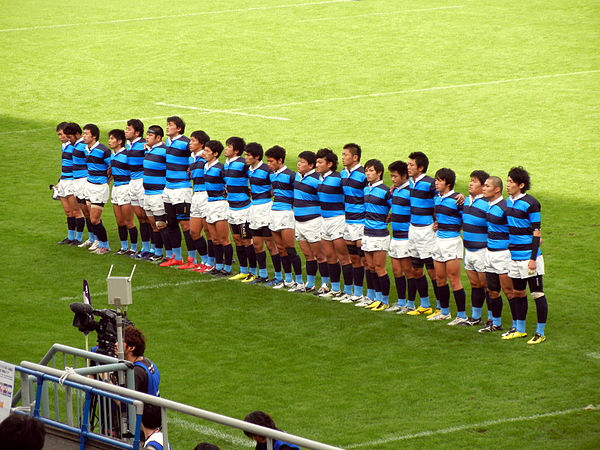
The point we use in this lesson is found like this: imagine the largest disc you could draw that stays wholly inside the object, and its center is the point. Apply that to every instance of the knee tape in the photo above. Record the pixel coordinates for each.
(537, 295)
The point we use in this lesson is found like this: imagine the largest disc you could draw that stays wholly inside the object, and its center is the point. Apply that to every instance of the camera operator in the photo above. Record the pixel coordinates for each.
(146, 373)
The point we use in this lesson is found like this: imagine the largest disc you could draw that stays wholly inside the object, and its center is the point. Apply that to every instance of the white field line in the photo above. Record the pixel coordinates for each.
(593, 355)
(463, 427)
(389, 13)
(207, 431)
(222, 111)
(144, 288)
(354, 97)
(201, 13)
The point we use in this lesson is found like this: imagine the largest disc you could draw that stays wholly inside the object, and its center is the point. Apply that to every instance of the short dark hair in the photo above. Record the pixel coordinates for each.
(75, 127)
(481, 175)
(421, 159)
(201, 136)
(399, 166)
(309, 157)
(119, 135)
(354, 149)
(376, 164)
(255, 149)
(215, 147)
(61, 126)
(276, 152)
(497, 182)
(520, 175)
(133, 337)
(329, 156)
(156, 129)
(446, 175)
(151, 417)
(178, 121)
(93, 129)
(259, 418)
(206, 446)
(137, 125)
(20, 431)
(237, 143)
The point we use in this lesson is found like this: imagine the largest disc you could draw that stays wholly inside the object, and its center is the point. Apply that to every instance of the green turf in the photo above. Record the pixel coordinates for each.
(324, 370)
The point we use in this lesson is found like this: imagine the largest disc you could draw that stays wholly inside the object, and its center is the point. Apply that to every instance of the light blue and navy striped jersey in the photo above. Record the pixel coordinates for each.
(331, 194)
(353, 184)
(448, 215)
(260, 184)
(155, 169)
(214, 180)
(119, 168)
(378, 202)
(66, 171)
(475, 222)
(306, 197)
(136, 150)
(98, 161)
(197, 173)
(79, 164)
(422, 192)
(236, 180)
(497, 225)
(401, 211)
(283, 189)
(178, 161)
(523, 216)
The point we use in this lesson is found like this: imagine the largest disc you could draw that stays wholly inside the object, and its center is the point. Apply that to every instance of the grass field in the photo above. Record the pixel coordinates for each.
(473, 84)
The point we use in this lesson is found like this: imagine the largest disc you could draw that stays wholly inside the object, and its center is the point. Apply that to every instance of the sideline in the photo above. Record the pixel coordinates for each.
(381, 13)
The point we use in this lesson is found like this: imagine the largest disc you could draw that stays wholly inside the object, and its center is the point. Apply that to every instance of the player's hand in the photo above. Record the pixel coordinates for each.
(460, 199)
(531, 265)
(435, 226)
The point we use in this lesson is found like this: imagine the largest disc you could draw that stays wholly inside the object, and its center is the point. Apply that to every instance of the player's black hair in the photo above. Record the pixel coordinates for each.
(259, 418)
(151, 417)
(119, 135)
(421, 159)
(400, 167)
(20, 431)
(237, 143)
(481, 175)
(75, 126)
(201, 136)
(329, 156)
(354, 149)
(61, 126)
(276, 152)
(215, 147)
(496, 182)
(309, 157)
(206, 446)
(520, 175)
(157, 130)
(376, 164)
(446, 175)
(137, 125)
(93, 129)
(178, 121)
(255, 149)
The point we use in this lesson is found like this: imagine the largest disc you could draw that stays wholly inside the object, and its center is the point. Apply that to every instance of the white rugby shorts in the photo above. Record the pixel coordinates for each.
(96, 193)
(354, 231)
(309, 231)
(448, 249)
(177, 196)
(199, 204)
(64, 188)
(399, 248)
(281, 220)
(237, 216)
(259, 215)
(475, 260)
(375, 243)
(154, 205)
(216, 211)
(421, 241)
(79, 187)
(519, 269)
(497, 262)
(120, 195)
(136, 192)
(332, 228)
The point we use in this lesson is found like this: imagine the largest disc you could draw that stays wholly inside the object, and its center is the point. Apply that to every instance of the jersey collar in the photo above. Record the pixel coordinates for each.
(354, 167)
(419, 178)
(448, 194)
(260, 163)
(406, 183)
(514, 199)
(210, 164)
(281, 170)
(326, 174)
(377, 183)
(492, 203)
(310, 172)
(93, 146)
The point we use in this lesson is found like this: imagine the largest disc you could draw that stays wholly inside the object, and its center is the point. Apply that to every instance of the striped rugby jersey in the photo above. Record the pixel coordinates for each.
(66, 171)
(475, 222)
(331, 194)
(422, 192)
(353, 185)
(497, 225)
(523, 216)
(119, 168)
(378, 202)
(401, 211)
(136, 150)
(235, 174)
(98, 161)
(155, 169)
(448, 215)
(282, 182)
(260, 183)
(306, 197)
(178, 161)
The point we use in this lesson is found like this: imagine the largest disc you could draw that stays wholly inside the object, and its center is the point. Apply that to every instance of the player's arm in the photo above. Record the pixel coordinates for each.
(535, 245)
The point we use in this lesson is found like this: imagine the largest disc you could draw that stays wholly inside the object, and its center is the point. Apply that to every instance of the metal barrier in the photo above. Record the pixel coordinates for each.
(166, 405)
(84, 430)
